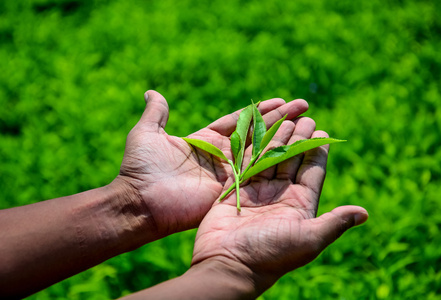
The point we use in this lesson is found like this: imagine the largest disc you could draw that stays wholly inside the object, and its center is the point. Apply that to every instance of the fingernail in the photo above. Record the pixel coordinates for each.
(360, 218)
(146, 97)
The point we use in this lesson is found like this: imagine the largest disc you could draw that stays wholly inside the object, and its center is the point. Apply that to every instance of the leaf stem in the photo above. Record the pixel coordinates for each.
(237, 192)
(227, 192)
(236, 185)
(253, 160)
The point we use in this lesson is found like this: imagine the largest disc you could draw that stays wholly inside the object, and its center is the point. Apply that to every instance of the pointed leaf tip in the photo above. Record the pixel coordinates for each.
(282, 153)
(206, 146)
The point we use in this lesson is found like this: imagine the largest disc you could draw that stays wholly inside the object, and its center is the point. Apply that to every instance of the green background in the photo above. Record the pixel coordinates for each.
(72, 79)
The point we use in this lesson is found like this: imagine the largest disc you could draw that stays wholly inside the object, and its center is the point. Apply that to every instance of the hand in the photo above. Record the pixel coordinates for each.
(277, 229)
(176, 185)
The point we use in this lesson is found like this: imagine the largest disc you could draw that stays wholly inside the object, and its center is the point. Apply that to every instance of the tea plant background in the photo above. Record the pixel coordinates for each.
(72, 79)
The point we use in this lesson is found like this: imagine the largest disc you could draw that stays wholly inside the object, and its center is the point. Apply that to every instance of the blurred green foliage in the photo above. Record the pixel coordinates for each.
(73, 74)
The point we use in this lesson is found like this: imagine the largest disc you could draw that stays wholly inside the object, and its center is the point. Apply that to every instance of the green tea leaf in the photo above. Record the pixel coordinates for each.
(270, 134)
(243, 123)
(258, 131)
(242, 127)
(235, 145)
(206, 146)
(279, 154)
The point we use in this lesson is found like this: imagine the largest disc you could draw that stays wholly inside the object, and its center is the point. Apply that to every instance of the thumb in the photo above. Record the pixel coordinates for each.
(156, 110)
(330, 226)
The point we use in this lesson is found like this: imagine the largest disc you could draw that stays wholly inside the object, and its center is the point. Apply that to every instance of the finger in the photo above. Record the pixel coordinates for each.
(312, 171)
(156, 110)
(281, 138)
(227, 124)
(330, 226)
(304, 128)
(292, 109)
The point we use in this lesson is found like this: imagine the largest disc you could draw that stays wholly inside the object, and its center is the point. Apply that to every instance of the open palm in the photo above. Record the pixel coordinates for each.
(277, 229)
(178, 184)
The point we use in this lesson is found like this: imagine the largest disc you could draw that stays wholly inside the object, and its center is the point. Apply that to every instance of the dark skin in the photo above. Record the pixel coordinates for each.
(157, 164)
(240, 255)
(166, 186)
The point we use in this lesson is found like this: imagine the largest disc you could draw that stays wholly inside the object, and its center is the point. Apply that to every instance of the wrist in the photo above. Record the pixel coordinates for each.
(228, 279)
(133, 221)
(57, 238)
(210, 279)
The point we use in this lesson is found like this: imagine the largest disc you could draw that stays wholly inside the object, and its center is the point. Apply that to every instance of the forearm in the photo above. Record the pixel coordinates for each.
(46, 242)
(211, 279)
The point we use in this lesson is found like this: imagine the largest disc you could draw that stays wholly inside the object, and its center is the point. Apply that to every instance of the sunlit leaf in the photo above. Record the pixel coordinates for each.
(279, 154)
(206, 147)
(235, 142)
(243, 125)
(270, 133)
(258, 131)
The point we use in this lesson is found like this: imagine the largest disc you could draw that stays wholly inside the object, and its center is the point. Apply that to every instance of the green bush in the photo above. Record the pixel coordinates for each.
(71, 87)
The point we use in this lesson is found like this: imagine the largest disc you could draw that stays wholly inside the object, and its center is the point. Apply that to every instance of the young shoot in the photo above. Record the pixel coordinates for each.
(260, 138)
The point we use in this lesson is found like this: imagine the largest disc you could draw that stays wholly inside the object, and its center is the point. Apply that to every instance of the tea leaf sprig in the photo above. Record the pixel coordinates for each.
(260, 138)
